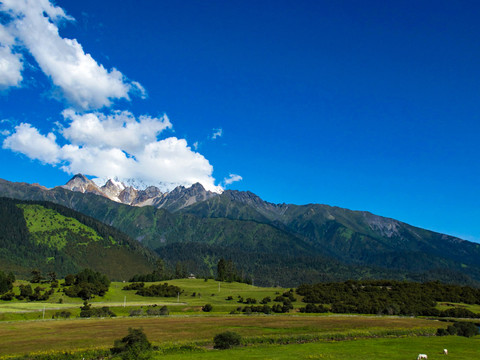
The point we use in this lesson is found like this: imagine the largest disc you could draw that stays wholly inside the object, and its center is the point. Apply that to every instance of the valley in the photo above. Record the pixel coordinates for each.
(272, 248)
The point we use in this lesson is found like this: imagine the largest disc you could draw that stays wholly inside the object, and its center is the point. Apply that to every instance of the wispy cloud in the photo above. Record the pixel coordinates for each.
(217, 133)
(231, 179)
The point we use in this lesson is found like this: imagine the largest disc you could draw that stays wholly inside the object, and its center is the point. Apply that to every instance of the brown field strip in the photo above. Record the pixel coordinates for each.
(63, 335)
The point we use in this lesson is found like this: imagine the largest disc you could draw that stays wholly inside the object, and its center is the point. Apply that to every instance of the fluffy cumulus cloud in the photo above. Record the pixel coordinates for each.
(91, 138)
(118, 130)
(27, 140)
(117, 145)
(83, 82)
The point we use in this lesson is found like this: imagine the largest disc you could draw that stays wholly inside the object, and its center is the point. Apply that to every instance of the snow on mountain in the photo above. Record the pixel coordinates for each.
(140, 194)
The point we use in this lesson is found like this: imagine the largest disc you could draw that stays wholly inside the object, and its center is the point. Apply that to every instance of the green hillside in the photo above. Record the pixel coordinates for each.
(50, 237)
(278, 243)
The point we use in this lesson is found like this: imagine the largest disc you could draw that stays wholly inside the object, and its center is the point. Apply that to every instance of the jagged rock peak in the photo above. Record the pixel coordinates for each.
(115, 190)
(82, 184)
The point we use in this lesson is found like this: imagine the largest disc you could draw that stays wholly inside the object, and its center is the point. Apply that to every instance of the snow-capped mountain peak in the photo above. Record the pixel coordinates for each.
(140, 194)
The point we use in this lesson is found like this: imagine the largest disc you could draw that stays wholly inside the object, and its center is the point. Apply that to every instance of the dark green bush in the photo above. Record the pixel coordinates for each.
(134, 346)
(207, 308)
(460, 328)
(226, 340)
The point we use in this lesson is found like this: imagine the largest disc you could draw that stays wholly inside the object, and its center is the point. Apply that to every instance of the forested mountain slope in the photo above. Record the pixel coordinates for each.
(279, 241)
(49, 237)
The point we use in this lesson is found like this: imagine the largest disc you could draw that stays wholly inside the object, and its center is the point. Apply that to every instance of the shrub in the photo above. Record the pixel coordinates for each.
(87, 311)
(62, 314)
(154, 311)
(136, 312)
(7, 296)
(134, 286)
(266, 300)
(207, 308)
(460, 328)
(134, 346)
(226, 340)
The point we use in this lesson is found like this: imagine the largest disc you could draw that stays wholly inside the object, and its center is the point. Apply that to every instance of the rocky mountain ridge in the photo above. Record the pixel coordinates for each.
(117, 191)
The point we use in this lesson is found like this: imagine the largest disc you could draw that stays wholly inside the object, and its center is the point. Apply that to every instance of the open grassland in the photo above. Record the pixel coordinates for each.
(68, 335)
(459, 348)
(211, 291)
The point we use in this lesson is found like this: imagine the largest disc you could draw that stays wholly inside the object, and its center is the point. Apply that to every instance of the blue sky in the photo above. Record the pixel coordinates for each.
(366, 105)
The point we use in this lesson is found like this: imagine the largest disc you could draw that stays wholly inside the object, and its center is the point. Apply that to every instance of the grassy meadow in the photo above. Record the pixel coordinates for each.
(28, 327)
(365, 349)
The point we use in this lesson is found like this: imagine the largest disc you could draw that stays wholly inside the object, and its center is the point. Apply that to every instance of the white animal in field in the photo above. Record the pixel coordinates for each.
(422, 356)
(445, 351)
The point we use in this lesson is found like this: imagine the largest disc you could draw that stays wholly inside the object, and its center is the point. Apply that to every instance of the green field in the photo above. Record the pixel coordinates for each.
(205, 292)
(380, 349)
(325, 336)
(62, 335)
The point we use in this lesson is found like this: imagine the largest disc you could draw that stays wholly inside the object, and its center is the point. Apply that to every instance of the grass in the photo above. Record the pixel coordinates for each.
(62, 335)
(459, 348)
(448, 305)
(205, 292)
(188, 326)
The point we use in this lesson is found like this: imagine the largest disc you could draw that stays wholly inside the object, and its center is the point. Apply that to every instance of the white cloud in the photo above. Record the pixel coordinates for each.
(231, 179)
(114, 145)
(11, 65)
(84, 83)
(117, 146)
(28, 141)
(217, 133)
(119, 130)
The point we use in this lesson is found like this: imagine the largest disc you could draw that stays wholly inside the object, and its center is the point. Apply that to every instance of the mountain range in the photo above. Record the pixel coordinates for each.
(273, 243)
(174, 200)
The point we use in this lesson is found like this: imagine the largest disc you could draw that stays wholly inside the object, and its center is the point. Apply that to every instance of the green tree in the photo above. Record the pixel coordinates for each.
(69, 280)
(226, 340)
(134, 346)
(53, 276)
(6, 283)
(36, 276)
(221, 270)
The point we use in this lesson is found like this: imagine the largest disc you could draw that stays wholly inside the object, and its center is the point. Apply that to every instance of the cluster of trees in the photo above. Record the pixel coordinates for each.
(87, 311)
(86, 284)
(26, 292)
(284, 304)
(152, 310)
(6, 285)
(160, 290)
(460, 328)
(226, 271)
(163, 272)
(388, 297)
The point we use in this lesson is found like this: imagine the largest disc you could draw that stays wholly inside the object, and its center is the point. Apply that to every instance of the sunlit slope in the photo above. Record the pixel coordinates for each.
(53, 238)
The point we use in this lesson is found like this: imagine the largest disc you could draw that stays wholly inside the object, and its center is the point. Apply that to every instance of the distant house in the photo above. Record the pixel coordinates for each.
(192, 276)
